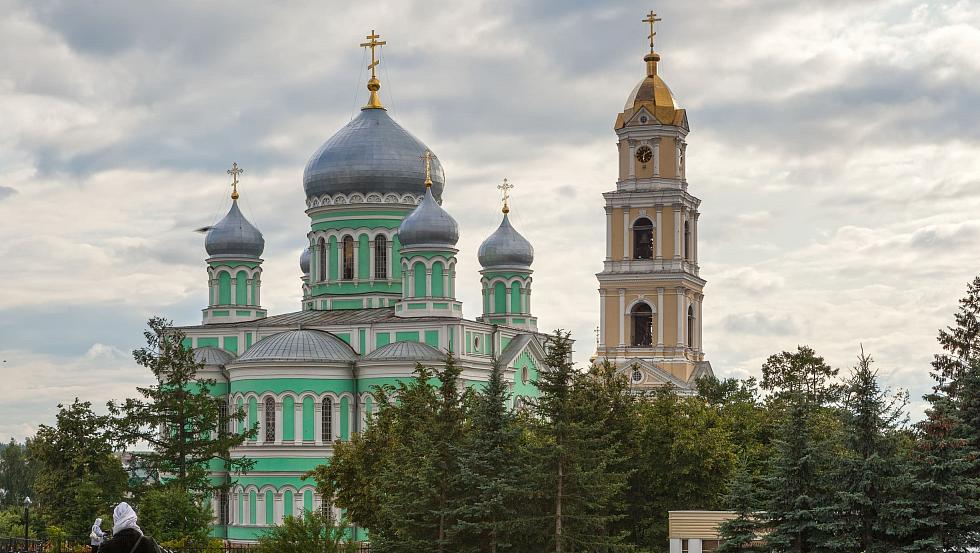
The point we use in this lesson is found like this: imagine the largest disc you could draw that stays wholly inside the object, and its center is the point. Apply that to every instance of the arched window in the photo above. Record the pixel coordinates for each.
(687, 240)
(322, 254)
(221, 497)
(642, 325)
(690, 326)
(224, 288)
(223, 429)
(270, 420)
(380, 257)
(436, 286)
(642, 239)
(419, 276)
(348, 247)
(326, 420)
(241, 288)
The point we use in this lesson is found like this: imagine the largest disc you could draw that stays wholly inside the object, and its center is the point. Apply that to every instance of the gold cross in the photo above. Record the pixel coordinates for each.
(373, 43)
(652, 19)
(427, 159)
(234, 172)
(505, 188)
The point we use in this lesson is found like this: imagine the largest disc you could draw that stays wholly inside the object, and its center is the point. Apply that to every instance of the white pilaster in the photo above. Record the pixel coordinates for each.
(298, 421)
(622, 317)
(677, 231)
(507, 304)
(260, 508)
(609, 224)
(371, 260)
(660, 317)
(445, 284)
(681, 308)
(656, 157)
(234, 291)
(632, 159)
(602, 318)
(658, 247)
(626, 231)
(318, 422)
(357, 259)
(279, 420)
(389, 261)
(428, 283)
(694, 238)
(277, 507)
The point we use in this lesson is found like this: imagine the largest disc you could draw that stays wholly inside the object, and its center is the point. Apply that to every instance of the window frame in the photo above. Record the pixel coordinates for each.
(326, 420)
(640, 230)
(269, 434)
(347, 257)
(381, 271)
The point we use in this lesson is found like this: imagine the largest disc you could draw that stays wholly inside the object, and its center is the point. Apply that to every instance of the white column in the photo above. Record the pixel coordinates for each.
(279, 419)
(660, 317)
(658, 247)
(390, 260)
(609, 223)
(680, 317)
(490, 304)
(632, 160)
(258, 292)
(694, 238)
(340, 260)
(234, 291)
(626, 232)
(527, 306)
(656, 157)
(298, 422)
(246, 511)
(428, 283)
(277, 507)
(357, 258)
(260, 508)
(335, 420)
(249, 300)
(602, 318)
(317, 422)
(507, 304)
(445, 285)
(677, 167)
(683, 171)
(622, 317)
(405, 275)
(371, 260)
(699, 343)
(677, 231)
(260, 435)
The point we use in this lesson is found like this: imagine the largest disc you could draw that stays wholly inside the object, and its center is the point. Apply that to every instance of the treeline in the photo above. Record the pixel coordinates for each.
(83, 465)
(810, 459)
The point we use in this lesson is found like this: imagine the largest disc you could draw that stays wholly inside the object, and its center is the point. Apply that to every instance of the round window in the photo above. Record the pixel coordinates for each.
(637, 376)
(643, 119)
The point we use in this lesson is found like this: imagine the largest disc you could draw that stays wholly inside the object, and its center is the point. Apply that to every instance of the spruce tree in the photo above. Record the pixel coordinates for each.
(571, 461)
(960, 343)
(178, 417)
(867, 510)
(741, 533)
(490, 473)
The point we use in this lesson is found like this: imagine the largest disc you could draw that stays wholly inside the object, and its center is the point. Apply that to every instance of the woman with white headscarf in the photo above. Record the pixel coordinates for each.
(97, 535)
(126, 534)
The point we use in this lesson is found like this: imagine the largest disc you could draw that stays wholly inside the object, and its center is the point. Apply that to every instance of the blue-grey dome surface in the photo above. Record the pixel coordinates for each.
(372, 153)
(506, 248)
(304, 261)
(406, 351)
(429, 225)
(299, 345)
(212, 356)
(234, 235)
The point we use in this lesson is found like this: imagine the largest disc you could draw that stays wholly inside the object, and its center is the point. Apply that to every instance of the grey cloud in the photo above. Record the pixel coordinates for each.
(7, 191)
(760, 324)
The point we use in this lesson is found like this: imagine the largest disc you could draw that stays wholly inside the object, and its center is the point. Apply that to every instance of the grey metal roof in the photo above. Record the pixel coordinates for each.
(513, 348)
(317, 318)
(428, 225)
(234, 235)
(212, 356)
(304, 261)
(299, 345)
(506, 248)
(372, 153)
(406, 351)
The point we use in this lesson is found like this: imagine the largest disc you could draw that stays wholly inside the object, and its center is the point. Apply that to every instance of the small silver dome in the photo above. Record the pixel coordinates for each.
(299, 345)
(372, 153)
(506, 248)
(406, 351)
(304, 261)
(234, 236)
(428, 225)
(212, 356)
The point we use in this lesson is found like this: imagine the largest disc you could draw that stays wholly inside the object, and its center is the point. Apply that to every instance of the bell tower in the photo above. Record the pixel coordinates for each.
(650, 289)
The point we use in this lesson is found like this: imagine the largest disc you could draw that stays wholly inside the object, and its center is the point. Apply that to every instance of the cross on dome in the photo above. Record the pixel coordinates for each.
(505, 187)
(234, 172)
(374, 85)
(652, 19)
(427, 160)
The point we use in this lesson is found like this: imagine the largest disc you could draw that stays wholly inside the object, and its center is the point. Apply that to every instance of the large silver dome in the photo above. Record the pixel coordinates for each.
(506, 248)
(299, 345)
(429, 225)
(234, 236)
(372, 153)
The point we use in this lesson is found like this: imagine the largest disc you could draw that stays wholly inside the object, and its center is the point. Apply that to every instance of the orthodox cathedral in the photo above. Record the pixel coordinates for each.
(379, 294)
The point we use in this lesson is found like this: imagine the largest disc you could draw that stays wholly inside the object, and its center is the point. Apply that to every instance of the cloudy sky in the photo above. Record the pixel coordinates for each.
(835, 146)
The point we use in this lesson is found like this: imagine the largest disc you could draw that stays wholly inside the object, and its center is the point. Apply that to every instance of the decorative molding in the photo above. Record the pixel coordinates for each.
(359, 198)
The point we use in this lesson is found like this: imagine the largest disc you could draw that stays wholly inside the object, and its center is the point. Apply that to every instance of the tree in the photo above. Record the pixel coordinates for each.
(78, 476)
(867, 511)
(801, 376)
(572, 461)
(310, 533)
(178, 417)
(15, 474)
(170, 513)
(741, 534)
(961, 343)
(490, 470)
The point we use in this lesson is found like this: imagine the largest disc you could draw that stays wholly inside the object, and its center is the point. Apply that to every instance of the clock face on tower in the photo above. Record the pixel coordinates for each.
(644, 154)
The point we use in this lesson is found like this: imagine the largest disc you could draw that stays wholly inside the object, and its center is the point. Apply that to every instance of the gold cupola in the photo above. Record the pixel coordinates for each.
(652, 93)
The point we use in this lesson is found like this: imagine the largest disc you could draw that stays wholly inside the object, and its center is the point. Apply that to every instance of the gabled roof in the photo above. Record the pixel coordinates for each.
(516, 345)
(314, 318)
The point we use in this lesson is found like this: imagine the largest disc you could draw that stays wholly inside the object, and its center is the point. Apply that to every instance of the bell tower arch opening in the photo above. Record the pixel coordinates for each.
(642, 317)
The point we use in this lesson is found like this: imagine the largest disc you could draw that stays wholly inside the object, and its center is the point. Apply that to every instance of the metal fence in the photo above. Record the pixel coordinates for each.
(20, 545)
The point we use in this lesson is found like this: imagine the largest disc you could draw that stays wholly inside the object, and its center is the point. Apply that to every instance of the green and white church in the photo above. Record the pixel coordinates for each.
(378, 296)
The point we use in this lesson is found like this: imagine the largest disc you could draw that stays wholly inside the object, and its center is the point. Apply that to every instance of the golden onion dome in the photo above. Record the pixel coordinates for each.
(653, 94)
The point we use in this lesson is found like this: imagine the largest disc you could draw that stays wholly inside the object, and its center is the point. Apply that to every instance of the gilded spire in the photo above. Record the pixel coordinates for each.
(427, 160)
(374, 85)
(234, 172)
(505, 188)
(653, 57)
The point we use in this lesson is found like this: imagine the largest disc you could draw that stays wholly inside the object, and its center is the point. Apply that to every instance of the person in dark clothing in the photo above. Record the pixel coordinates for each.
(126, 535)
